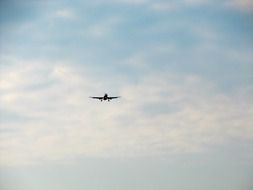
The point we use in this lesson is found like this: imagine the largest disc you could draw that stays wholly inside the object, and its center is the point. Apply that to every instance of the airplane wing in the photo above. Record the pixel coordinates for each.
(96, 97)
(113, 97)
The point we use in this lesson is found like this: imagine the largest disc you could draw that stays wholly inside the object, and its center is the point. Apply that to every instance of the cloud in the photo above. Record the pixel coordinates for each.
(163, 5)
(161, 114)
(135, 2)
(65, 14)
(244, 5)
(104, 28)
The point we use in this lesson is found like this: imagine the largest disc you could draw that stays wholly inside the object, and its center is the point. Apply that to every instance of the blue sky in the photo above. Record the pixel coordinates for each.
(183, 68)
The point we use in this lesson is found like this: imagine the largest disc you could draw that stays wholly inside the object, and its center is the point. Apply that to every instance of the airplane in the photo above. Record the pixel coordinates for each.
(105, 97)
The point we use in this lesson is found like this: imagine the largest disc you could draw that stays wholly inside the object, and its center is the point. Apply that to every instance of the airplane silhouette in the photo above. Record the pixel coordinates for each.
(105, 97)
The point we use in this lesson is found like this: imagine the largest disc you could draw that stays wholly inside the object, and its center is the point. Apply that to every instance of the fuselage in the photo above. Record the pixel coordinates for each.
(105, 97)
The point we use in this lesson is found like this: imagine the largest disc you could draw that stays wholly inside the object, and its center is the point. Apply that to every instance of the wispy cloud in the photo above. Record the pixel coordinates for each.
(102, 29)
(244, 5)
(163, 5)
(65, 14)
(162, 114)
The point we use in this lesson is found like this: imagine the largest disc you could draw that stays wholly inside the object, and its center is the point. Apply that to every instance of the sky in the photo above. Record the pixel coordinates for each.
(183, 69)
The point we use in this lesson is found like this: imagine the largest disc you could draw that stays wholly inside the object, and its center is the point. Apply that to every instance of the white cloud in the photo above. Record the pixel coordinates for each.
(245, 5)
(161, 114)
(135, 1)
(139, 60)
(104, 28)
(163, 5)
(65, 14)
(196, 2)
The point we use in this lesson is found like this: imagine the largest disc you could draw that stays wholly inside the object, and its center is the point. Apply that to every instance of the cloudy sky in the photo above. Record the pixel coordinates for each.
(183, 69)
